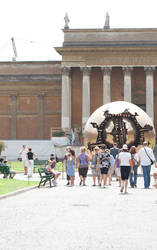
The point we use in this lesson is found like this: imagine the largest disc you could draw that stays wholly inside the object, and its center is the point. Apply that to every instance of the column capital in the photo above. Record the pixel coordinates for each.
(106, 70)
(149, 69)
(66, 71)
(127, 70)
(86, 70)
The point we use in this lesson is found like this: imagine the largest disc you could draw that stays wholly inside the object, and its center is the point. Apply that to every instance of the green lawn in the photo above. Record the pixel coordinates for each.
(17, 166)
(10, 185)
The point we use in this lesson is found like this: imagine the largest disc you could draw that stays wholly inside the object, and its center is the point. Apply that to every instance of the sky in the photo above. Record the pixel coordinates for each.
(36, 25)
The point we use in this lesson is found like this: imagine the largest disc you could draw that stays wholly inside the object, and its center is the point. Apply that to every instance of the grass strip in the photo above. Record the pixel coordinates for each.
(11, 185)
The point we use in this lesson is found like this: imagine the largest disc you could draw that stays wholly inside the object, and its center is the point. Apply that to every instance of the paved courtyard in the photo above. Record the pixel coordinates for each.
(80, 218)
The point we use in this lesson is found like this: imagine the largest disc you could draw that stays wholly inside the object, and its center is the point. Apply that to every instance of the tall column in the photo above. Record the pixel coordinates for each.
(106, 84)
(127, 83)
(150, 91)
(41, 108)
(66, 98)
(85, 94)
(13, 115)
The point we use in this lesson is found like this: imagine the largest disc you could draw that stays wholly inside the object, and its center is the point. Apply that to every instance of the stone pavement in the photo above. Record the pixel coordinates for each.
(80, 218)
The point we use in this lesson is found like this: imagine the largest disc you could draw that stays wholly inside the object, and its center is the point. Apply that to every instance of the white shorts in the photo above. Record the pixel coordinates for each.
(30, 166)
(118, 172)
(24, 163)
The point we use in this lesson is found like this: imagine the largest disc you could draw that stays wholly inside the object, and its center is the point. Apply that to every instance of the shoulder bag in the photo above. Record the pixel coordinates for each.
(152, 162)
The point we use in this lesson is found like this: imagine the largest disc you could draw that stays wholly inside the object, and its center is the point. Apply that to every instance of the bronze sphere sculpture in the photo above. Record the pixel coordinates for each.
(119, 122)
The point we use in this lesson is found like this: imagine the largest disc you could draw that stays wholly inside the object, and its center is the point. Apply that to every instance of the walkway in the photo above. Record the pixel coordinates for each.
(80, 218)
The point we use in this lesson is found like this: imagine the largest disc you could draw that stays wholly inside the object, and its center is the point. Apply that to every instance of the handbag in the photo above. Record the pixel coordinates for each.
(152, 162)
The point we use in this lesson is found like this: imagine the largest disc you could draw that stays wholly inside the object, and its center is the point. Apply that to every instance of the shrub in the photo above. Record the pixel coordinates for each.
(58, 133)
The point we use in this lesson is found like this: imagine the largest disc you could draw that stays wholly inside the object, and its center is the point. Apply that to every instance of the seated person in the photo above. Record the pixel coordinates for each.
(50, 169)
(3, 169)
(6, 169)
(54, 156)
(1, 161)
(12, 173)
(1, 165)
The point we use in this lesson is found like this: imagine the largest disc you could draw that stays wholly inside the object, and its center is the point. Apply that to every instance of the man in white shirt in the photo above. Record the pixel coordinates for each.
(146, 156)
(23, 153)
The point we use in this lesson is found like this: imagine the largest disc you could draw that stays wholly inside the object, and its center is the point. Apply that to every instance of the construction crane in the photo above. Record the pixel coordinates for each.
(14, 49)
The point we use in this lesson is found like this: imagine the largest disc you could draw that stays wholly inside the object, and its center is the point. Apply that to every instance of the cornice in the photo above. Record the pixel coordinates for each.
(100, 49)
(110, 30)
(69, 50)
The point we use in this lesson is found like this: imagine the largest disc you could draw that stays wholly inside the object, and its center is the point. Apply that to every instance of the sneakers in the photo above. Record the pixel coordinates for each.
(122, 188)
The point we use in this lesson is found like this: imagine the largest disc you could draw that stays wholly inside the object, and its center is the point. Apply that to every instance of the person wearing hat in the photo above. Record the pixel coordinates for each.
(125, 167)
(95, 166)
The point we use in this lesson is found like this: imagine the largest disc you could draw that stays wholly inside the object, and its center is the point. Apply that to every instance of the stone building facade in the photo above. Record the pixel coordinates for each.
(103, 65)
(30, 99)
(97, 66)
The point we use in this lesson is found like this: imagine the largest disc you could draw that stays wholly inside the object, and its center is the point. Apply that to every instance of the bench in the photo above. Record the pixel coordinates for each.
(44, 177)
(5, 170)
(39, 164)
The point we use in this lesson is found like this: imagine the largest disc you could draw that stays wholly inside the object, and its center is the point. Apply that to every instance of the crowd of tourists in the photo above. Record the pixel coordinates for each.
(104, 164)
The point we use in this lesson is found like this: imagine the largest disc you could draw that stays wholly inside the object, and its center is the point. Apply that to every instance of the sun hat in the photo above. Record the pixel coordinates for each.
(96, 148)
(125, 147)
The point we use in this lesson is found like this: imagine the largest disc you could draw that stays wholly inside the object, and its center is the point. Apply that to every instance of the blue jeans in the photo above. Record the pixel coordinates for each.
(146, 175)
(133, 176)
